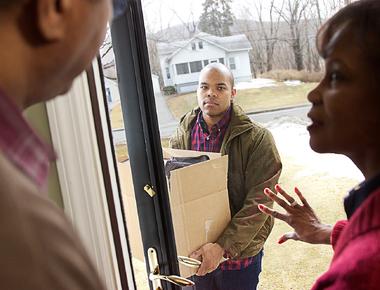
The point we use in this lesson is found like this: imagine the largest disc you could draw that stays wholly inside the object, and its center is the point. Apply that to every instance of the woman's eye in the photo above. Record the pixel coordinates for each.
(334, 77)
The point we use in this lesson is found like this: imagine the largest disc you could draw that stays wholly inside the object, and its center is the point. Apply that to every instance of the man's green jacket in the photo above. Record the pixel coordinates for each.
(253, 164)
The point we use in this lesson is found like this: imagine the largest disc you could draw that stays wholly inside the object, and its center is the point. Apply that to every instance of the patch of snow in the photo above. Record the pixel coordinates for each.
(256, 84)
(292, 83)
(292, 140)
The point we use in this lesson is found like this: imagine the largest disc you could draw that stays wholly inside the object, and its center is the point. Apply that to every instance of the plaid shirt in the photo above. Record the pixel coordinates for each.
(203, 140)
(20, 144)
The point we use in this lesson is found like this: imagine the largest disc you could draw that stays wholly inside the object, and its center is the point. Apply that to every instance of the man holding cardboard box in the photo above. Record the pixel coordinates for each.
(218, 125)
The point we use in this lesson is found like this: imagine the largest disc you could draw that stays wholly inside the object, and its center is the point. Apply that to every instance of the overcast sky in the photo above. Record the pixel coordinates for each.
(163, 13)
(173, 12)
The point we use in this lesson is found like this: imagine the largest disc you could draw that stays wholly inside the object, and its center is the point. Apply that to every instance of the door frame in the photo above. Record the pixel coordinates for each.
(83, 157)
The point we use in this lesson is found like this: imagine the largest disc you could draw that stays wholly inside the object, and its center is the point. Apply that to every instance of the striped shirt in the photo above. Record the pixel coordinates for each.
(203, 140)
(20, 144)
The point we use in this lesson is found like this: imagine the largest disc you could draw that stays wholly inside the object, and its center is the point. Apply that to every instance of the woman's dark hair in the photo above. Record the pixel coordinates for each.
(361, 21)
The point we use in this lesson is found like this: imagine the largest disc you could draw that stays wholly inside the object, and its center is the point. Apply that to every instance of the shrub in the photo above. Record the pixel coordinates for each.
(285, 75)
(169, 90)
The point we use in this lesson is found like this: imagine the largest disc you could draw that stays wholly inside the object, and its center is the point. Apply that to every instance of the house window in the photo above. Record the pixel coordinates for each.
(205, 62)
(195, 66)
(182, 68)
(108, 94)
(167, 73)
(193, 46)
(213, 61)
(232, 63)
(221, 60)
(200, 45)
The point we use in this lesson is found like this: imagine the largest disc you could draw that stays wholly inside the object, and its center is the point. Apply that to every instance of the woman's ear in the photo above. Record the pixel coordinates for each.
(52, 16)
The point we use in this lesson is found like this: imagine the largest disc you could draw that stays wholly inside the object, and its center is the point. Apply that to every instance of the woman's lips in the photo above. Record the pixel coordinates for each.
(315, 122)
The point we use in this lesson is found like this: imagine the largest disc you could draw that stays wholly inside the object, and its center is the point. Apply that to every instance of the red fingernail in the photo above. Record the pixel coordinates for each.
(280, 241)
(277, 187)
(261, 207)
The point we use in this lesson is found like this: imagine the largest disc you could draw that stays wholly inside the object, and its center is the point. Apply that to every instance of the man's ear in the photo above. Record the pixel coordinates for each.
(233, 94)
(52, 18)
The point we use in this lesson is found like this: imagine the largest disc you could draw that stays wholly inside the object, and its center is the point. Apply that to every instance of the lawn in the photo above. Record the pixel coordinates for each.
(250, 100)
(324, 179)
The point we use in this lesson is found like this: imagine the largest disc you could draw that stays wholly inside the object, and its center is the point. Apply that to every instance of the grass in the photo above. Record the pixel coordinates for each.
(121, 150)
(293, 265)
(250, 100)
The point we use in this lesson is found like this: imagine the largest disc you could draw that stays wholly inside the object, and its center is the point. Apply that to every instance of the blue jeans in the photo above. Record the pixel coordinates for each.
(244, 279)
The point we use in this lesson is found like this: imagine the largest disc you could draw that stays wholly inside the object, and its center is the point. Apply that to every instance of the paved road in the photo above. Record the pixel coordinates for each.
(168, 124)
(265, 117)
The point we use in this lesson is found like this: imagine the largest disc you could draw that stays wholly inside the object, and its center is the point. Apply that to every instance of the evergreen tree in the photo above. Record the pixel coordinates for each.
(216, 17)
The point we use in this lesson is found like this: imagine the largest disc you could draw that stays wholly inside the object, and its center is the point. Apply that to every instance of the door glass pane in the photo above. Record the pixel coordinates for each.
(273, 76)
(123, 166)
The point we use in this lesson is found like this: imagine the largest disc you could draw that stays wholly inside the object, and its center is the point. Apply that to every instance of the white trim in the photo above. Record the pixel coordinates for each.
(79, 170)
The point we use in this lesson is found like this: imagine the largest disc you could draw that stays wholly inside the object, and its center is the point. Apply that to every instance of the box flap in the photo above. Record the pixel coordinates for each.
(170, 152)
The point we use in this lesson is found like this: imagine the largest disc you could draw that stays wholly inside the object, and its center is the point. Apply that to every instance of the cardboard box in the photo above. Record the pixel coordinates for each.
(198, 200)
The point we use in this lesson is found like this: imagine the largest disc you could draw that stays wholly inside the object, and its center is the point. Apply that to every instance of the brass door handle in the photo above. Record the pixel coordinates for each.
(177, 280)
(156, 277)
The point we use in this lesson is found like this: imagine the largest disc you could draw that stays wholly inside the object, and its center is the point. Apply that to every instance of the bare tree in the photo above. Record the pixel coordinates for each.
(293, 14)
(269, 33)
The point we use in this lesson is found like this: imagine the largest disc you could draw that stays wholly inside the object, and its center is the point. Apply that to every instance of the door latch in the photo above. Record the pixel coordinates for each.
(149, 190)
(156, 277)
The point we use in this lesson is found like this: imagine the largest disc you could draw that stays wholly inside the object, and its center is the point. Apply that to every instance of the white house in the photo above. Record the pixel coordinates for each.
(112, 88)
(181, 61)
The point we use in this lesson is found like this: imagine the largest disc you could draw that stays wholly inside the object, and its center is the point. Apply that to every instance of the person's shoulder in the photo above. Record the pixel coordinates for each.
(38, 242)
(252, 130)
(189, 116)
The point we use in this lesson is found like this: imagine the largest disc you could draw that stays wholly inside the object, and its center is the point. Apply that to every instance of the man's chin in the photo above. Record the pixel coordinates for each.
(64, 90)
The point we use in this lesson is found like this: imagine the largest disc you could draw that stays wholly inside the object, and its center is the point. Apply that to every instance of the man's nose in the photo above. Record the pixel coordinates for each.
(211, 93)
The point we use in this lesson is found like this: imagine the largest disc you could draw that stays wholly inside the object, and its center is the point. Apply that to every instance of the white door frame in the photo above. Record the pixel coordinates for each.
(81, 178)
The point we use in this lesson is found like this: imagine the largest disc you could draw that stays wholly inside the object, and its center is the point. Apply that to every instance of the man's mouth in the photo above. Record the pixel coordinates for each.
(210, 103)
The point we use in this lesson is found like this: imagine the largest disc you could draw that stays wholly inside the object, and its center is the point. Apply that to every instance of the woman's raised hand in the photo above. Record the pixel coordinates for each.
(299, 215)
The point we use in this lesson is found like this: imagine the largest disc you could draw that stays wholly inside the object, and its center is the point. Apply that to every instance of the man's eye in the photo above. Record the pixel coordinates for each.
(221, 88)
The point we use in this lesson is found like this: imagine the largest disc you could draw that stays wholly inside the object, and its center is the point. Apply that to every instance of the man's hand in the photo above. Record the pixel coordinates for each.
(210, 254)
(301, 217)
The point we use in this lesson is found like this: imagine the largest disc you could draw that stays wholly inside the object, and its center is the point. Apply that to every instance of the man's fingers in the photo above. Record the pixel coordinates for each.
(196, 254)
(204, 269)
(276, 199)
(288, 236)
(301, 197)
(272, 212)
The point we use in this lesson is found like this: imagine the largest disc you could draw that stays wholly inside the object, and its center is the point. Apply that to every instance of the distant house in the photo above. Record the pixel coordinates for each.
(181, 61)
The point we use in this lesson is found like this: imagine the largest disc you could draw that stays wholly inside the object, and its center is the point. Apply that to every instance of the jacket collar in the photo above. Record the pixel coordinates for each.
(365, 219)
(239, 122)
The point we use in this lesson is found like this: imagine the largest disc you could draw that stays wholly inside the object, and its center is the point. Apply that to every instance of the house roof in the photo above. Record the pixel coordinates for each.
(227, 43)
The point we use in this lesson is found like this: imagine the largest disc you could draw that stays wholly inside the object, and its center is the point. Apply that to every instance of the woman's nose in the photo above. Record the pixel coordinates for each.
(315, 96)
